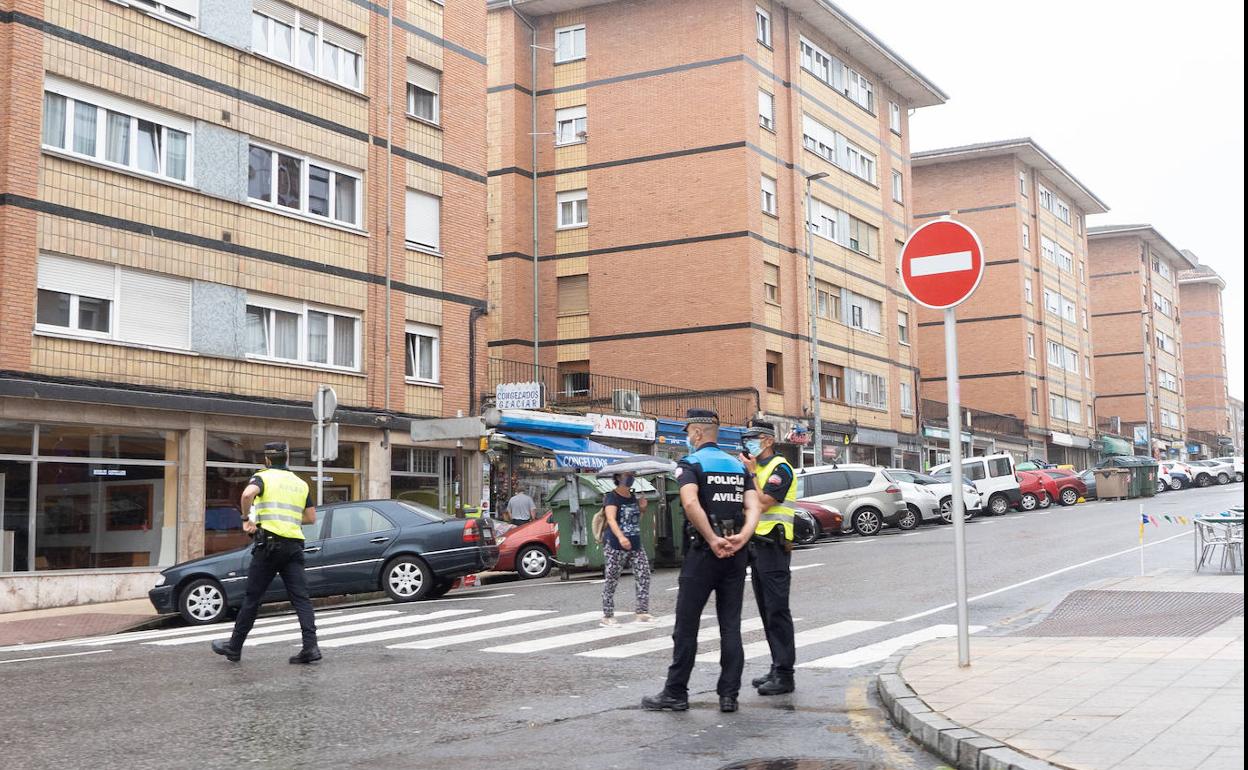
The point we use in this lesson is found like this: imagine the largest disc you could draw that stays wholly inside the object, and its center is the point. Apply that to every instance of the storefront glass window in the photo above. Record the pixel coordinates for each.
(90, 441)
(415, 476)
(16, 438)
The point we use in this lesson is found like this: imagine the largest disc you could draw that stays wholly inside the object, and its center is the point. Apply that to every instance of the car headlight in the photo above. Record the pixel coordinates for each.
(163, 579)
(502, 540)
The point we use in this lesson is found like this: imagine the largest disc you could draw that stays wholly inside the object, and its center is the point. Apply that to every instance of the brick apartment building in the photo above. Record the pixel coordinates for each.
(1205, 386)
(667, 145)
(208, 208)
(1024, 338)
(1137, 333)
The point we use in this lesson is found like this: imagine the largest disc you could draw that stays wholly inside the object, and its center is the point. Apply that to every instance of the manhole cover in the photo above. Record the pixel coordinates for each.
(798, 763)
(1138, 613)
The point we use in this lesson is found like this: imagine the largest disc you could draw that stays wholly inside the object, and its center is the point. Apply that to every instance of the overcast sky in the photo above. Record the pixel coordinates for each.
(1142, 101)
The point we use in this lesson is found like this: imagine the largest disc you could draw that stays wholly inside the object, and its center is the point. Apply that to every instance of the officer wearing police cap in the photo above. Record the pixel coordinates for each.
(282, 504)
(769, 551)
(721, 510)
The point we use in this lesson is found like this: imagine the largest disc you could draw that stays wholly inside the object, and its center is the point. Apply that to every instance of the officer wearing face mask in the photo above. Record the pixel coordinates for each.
(769, 551)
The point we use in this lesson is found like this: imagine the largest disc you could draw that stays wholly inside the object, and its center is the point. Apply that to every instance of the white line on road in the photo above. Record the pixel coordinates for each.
(582, 637)
(748, 572)
(936, 264)
(1038, 578)
(466, 599)
(492, 633)
(872, 653)
(225, 631)
(806, 638)
(450, 625)
(49, 657)
(402, 620)
(708, 634)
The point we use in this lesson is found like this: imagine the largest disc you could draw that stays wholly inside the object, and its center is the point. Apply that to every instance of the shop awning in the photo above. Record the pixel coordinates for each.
(570, 451)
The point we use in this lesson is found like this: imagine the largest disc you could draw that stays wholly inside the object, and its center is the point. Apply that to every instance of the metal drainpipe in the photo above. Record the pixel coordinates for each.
(473, 315)
(389, 183)
(537, 324)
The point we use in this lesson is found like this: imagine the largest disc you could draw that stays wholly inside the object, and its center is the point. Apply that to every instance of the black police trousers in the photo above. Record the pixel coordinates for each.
(702, 574)
(283, 556)
(771, 577)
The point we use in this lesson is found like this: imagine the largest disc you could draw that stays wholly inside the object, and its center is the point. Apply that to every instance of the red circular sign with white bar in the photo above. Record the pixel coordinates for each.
(942, 263)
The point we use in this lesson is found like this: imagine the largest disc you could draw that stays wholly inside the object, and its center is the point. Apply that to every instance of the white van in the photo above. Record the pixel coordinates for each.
(993, 476)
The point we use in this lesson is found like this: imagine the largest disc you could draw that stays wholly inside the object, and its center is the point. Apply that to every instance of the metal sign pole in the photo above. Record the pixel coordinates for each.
(320, 460)
(955, 465)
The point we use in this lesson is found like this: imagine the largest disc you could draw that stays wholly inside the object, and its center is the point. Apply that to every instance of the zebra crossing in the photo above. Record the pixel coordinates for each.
(842, 644)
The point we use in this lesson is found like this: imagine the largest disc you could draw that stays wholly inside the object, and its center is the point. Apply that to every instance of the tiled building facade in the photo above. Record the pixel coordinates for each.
(1024, 337)
(1206, 391)
(670, 240)
(207, 209)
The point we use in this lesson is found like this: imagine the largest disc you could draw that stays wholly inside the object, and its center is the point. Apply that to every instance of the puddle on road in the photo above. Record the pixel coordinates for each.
(799, 763)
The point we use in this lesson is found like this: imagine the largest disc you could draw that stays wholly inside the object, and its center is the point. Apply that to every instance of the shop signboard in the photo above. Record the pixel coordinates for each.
(518, 395)
(620, 426)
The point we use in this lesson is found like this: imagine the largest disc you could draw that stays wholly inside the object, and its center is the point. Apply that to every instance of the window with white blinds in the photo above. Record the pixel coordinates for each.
(184, 11)
(571, 125)
(862, 312)
(573, 291)
(837, 149)
(423, 343)
(297, 38)
(424, 92)
(153, 309)
(283, 329)
(423, 220)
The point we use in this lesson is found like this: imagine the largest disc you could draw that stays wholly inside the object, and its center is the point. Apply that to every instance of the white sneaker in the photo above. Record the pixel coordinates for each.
(608, 622)
(645, 617)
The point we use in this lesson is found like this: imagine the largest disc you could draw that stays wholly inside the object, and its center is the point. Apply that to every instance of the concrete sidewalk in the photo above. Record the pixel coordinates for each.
(31, 626)
(1138, 673)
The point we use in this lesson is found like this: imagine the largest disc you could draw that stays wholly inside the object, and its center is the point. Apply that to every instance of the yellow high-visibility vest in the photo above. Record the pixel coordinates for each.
(279, 508)
(777, 514)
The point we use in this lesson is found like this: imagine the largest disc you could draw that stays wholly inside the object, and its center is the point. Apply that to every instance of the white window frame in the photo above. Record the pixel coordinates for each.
(837, 75)
(828, 309)
(563, 53)
(571, 126)
(180, 12)
(767, 195)
(1027, 292)
(824, 220)
(422, 330)
(771, 291)
(762, 26)
(305, 164)
(106, 104)
(1022, 183)
(866, 389)
(302, 309)
(435, 248)
(436, 118)
(906, 398)
(1031, 345)
(106, 292)
(868, 309)
(894, 117)
(1026, 237)
(1162, 268)
(903, 327)
(767, 110)
(573, 197)
(898, 187)
(306, 22)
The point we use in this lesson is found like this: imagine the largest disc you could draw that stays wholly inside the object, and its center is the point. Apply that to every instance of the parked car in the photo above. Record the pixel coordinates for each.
(942, 491)
(867, 497)
(1088, 478)
(1181, 474)
(529, 548)
(1069, 486)
(1237, 463)
(805, 528)
(1036, 491)
(828, 519)
(1220, 472)
(993, 476)
(408, 550)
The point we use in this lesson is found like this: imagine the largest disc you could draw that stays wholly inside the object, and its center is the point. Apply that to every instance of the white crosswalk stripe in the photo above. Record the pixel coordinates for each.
(450, 625)
(804, 638)
(224, 630)
(873, 653)
(494, 633)
(583, 637)
(632, 649)
(353, 628)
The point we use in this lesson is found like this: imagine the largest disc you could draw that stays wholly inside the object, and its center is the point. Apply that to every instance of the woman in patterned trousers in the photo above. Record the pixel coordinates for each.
(622, 545)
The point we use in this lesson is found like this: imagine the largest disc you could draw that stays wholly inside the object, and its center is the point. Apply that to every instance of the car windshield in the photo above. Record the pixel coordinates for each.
(424, 511)
(923, 478)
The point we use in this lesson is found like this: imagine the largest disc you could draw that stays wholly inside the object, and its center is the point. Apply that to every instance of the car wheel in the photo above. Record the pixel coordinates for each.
(1204, 480)
(867, 522)
(407, 579)
(1069, 496)
(998, 505)
(810, 533)
(946, 510)
(1239, 478)
(1223, 478)
(202, 602)
(910, 519)
(1175, 485)
(1044, 501)
(533, 562)
(440, 589)
(1029, 502)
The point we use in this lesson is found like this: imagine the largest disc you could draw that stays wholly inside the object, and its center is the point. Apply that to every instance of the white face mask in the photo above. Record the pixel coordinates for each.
(689, 442)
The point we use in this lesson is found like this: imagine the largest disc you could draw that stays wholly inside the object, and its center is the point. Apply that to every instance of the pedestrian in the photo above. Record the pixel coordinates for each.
(282, 503)
(520, 507)
(621, 545)
(720, 513)
(769, 552)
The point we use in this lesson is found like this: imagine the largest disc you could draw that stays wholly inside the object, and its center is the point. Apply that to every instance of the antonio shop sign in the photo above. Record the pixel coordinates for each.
(619, 426)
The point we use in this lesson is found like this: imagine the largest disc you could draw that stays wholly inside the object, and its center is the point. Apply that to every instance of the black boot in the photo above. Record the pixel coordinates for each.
(665, 702)
(222, 647)
(309, 655)
(780, 685)
(727, 703)
(759, 681)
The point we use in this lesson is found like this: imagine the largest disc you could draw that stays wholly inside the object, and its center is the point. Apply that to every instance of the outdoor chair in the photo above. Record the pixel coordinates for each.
(1214, 536)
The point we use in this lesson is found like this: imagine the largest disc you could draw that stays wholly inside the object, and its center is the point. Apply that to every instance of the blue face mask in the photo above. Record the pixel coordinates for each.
(754, 447)
(689, 442)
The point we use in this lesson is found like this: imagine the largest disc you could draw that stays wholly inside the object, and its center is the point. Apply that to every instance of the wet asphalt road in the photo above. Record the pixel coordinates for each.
(125, 704)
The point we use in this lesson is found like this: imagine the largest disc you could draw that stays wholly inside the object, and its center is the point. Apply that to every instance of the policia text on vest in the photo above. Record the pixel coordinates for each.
(281, 504)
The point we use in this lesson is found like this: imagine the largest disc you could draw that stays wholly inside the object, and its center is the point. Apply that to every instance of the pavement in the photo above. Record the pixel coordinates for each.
(1139, 673)
(79, 620)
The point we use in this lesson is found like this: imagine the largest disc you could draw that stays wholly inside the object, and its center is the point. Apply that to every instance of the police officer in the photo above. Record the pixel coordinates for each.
(721, 512)
(282, 503)
(769, 551)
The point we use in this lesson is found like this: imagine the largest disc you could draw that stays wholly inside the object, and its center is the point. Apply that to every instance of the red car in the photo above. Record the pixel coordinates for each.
(829, 519)
(1037, 490)
(529, 547)
(1069, 486)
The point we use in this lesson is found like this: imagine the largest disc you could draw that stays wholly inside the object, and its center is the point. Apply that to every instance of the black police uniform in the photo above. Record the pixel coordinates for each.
(771, 577)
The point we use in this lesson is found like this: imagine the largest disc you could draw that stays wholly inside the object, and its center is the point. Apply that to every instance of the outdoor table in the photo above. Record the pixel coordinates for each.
(1225, 517)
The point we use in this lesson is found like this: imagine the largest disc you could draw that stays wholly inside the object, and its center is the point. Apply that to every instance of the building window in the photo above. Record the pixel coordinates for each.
(1056, 254)
(839, 76)
(1027, 237)
(297, 38)
(574, 379)
(831, 383)
(573, 209)
(762, 26)
(867, 389)
(1027, 292)
(569, 43)
(837, 149)
(422, 359)
(766, 110)
(1035, 400)
(181, 11)
(827, 301)
(864, 312)
(415, 476)
(824, 220)
(894, 117)
(1161, 268)
(572, 295)
(1051, 203)
(424, 86)
(1031, 345)
(304, 185)
(115, 132)
(286, 330)
(775, 371)
(571, 125)
(903, 327)
(768, 193)
(1022, 183)
(422, 220)
(1165, 342)
(897, 191)
(864, 238)
(907, 399)
(1162, 304)
(1063, 357)
(771, 283)
(1085, 319)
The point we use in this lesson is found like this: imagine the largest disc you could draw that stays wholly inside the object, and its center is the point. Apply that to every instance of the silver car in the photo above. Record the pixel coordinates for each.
(942, 491)
(866, 496)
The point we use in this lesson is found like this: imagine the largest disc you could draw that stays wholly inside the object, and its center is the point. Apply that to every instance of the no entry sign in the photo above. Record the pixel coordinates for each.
(942, 263)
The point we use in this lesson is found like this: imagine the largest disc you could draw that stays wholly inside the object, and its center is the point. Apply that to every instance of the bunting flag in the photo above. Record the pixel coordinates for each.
(1141, 532)
(1153, 520)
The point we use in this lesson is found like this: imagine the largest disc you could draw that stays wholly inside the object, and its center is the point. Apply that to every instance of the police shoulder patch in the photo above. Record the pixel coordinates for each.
(775, 479)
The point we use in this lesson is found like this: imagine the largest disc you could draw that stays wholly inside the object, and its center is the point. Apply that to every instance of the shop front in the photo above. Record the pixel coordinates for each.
(1068, 449)
(670, 439)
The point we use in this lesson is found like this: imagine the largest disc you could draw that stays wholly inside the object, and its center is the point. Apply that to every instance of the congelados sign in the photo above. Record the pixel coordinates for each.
(617, 426)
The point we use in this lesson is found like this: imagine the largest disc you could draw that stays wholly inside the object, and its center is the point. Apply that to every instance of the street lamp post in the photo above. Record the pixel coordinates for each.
(816, 415)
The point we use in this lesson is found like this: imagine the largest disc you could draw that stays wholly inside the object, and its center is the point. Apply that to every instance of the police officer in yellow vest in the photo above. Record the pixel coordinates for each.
(282, 503)
(769, 552)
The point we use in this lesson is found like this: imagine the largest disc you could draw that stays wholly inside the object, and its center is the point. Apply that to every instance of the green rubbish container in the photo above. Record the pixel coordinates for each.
(1143, 473)
(577, 497)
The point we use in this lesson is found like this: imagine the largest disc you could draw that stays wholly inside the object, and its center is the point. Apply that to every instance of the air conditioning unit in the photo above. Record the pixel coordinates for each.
(626, 401)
